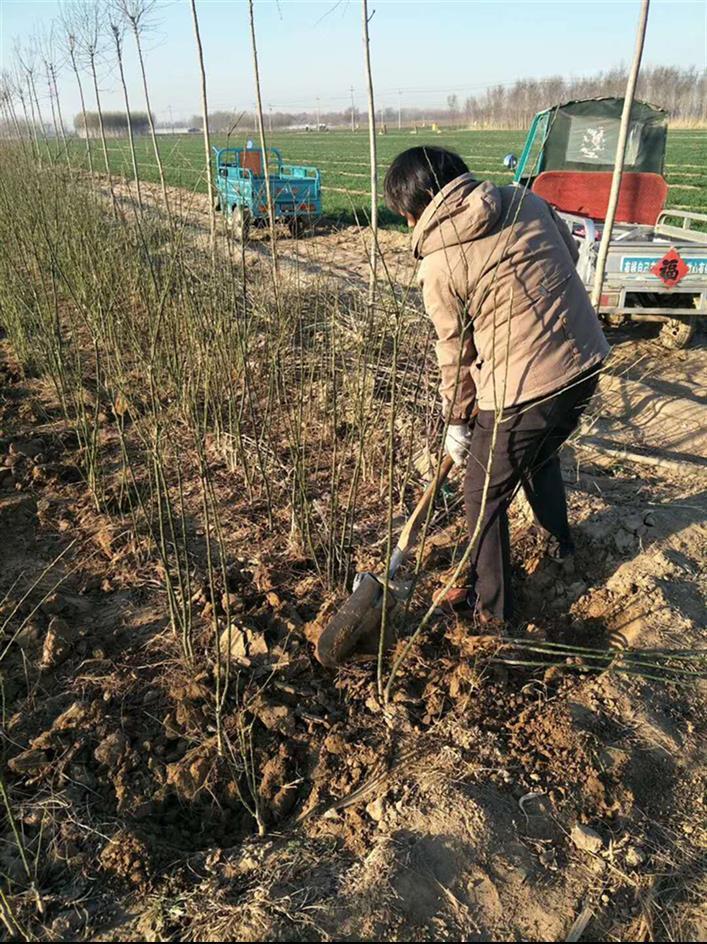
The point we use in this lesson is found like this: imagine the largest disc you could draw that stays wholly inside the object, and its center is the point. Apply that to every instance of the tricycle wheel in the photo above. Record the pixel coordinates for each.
(240, 223)
(296, 225)
(676, 333)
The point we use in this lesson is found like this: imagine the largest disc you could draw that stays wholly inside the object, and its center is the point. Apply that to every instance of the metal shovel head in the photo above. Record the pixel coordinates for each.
(356, 618)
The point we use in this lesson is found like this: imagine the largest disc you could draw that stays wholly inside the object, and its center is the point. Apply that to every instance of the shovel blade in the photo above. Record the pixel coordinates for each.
(356, 618)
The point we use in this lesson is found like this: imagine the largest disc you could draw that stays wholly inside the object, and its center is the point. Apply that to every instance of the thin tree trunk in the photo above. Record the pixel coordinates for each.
(51, 104)
(5, 108)
(101, 126)
(153, 134)
(373, 157)
(10, 109)
(207, 137)
(83, 109)
(61, 117)
(34, 96)
(261, 128)
(131, 137)
(13, 116)
(620, 154)
(35, 134)
(32, 124)
(31, 130)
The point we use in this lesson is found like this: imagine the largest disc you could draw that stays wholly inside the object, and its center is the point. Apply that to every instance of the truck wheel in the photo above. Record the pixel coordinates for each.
(217, 203)
(240, 223)
(676, 333)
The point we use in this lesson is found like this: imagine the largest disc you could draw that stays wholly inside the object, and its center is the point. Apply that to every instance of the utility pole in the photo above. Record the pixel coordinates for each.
(270, 119)
(318, 120)
(353, 110)
(171, 119)
(620, 154)
(400, 110)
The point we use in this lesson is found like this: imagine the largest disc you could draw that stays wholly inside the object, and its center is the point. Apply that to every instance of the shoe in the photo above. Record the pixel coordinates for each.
(456, 598)
(561, 555)
(489, 625)
(559, 550)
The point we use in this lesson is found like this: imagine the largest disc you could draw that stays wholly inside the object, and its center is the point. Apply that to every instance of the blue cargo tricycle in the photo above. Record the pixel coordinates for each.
(241, 193)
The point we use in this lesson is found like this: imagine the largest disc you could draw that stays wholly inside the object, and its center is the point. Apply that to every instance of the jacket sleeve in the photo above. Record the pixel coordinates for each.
(565, 233)
(455, 346)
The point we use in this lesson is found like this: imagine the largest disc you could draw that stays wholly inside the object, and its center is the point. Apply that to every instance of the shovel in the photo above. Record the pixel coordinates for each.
(361, 614)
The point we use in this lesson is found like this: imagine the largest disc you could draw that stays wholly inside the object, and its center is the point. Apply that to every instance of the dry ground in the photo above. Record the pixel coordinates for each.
(493, 801)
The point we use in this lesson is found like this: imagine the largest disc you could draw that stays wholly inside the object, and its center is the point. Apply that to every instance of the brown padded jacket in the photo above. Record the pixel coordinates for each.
(513, 319)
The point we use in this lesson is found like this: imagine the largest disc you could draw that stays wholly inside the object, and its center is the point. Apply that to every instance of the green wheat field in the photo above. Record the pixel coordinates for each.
(342, 158)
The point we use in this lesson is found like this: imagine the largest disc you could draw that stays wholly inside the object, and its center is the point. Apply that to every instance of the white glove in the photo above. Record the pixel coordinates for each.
(457, 443)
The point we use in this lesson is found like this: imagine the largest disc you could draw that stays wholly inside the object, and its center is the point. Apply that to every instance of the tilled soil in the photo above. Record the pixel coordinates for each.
(502, 794)
(488, 801)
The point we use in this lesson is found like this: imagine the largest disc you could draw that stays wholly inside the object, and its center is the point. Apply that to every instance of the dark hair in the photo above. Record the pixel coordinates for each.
(417, 174)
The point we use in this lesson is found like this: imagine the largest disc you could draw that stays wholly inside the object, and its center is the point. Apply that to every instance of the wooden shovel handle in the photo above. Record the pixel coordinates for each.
(408, 535)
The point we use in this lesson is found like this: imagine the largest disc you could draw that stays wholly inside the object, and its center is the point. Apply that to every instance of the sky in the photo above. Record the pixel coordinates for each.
(422, 50)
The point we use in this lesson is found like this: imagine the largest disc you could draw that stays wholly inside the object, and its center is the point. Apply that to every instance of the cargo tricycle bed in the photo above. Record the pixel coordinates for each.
(242, 192)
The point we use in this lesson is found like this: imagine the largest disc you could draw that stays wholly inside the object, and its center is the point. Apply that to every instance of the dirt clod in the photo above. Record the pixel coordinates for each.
(586, 838)
(58, 642)
(30, 448)
(275, 717)
(233, 640)
(111, 749)
(29, 760)
(127, 857)
(634, 857)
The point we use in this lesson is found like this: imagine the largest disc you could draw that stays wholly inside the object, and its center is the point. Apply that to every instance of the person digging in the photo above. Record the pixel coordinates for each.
(519, 345)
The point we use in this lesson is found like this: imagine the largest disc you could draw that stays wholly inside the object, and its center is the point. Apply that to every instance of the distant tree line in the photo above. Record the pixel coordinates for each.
(682, 92)
(221, 122)
(115, 123)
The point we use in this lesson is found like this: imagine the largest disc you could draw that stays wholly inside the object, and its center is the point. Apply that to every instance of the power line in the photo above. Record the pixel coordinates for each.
(306, 103)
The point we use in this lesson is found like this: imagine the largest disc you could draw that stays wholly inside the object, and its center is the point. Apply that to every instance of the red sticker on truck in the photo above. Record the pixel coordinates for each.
(671, 268)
